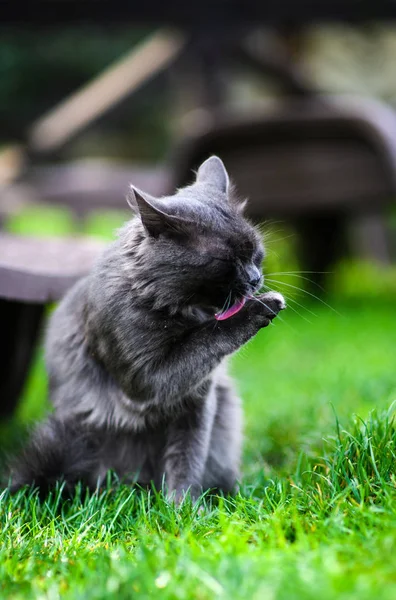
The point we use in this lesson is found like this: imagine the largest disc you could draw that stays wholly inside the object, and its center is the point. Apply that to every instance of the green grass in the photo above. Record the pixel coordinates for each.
(316, 511)
(315, 515)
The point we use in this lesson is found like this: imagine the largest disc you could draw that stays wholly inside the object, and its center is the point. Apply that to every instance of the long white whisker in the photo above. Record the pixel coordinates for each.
(279, 317)
(226, 303)
(276, 281)
(225, 307)
(296, 311)
(282, 239)
(303, 307)
(297, 273)
(266, 306)
(289, 299)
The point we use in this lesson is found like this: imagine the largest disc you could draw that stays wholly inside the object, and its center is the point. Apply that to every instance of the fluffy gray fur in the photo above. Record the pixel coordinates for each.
(137, 361)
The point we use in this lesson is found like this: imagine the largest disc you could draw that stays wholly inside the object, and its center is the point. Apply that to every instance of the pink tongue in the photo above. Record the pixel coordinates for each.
(230, 312)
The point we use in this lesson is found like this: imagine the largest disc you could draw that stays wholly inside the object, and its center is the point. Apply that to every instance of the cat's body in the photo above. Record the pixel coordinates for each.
(136, 358)
(139, 433)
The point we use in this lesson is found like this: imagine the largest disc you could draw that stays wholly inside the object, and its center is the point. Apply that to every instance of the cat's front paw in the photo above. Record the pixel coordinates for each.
(266, 307)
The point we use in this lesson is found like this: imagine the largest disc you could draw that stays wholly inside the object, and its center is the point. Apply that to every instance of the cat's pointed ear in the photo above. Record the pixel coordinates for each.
(138, 199)
(155, 220)
(213, 171)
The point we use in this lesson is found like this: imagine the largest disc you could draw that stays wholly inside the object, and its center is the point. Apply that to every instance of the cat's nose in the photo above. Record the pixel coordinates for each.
(254, 276)
(254, 281)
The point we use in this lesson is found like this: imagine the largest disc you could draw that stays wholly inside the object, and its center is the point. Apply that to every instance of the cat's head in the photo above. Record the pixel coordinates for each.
(194, 248)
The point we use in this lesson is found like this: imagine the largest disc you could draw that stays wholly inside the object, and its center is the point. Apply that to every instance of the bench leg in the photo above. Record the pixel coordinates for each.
(322, 242)
(371, 239)
(20, 325)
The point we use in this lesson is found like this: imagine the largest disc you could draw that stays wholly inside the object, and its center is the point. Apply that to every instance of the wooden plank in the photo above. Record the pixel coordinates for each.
(307, 155)
(90, 185)
(315, 177)
(42, 270)
(97, 97)
(33, 272)
(83, 186)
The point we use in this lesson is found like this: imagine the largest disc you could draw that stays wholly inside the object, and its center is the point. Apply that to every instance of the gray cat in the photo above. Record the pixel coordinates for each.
(136, 352)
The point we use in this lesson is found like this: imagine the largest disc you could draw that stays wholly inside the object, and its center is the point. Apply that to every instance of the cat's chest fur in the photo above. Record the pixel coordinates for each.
(157, 414)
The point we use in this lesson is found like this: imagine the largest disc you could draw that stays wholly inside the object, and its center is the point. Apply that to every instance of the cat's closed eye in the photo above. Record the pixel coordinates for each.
(223, 259)
(258, 257)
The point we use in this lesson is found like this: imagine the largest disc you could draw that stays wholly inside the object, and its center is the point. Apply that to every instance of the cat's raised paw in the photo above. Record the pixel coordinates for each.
(275, 301)
(271, 303)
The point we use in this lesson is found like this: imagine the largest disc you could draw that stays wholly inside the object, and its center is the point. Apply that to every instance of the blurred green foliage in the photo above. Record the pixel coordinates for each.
(104, 224)
(367, 280)
(38, 69)
(42, 221)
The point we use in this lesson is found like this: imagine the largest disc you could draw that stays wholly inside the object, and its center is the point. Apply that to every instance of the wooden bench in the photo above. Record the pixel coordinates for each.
(36, 272)
(315, 162)
(33, 273)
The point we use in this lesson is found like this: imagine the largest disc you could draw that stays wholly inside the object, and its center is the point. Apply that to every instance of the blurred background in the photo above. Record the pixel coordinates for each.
(299, 101)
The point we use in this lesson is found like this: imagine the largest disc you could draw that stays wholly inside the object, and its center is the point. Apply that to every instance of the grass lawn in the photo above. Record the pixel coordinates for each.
(315, 515)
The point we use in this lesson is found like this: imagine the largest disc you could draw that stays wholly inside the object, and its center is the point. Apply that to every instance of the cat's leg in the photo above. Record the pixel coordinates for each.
(187, 447)
(223, 463)
(57, 451)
